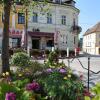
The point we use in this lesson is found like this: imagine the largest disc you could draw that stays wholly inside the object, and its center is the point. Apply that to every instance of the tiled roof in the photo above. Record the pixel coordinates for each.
(95, 28)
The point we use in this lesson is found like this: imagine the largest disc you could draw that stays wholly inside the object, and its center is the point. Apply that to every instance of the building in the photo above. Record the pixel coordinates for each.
(58, 27)
(91, 40)
(80, 43)
(17, 21)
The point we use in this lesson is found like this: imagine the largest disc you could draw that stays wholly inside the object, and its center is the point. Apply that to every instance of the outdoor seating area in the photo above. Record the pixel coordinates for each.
(41, 54)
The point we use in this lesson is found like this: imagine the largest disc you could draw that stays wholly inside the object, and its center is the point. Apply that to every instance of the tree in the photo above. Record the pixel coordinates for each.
(7, 6)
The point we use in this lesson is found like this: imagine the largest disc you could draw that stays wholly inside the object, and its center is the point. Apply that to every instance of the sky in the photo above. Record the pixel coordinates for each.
(89, 13)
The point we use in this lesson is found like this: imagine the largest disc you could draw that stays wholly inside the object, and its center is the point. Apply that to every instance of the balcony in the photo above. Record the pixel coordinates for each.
(76, 29)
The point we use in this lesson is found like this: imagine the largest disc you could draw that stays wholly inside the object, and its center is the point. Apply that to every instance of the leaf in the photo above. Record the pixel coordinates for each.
(87, 98)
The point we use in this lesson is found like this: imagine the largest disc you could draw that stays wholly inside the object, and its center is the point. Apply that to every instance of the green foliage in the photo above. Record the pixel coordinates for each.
(26, 95)
(21, 83)
(53, 61)
(87, 98)
(36, 66)
(5, 87)
(59, 88)
(20, 59)
(29, 72)
(53, 57)
(17, 87)
(96, 91)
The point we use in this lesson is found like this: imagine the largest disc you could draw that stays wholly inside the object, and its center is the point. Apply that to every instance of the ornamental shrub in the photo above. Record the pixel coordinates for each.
(59, 86)
(20, 59)
(53, 57)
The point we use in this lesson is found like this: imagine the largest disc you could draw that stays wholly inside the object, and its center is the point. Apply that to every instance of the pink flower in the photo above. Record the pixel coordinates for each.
(62, 70)
(86, 93)
(10, 96)
(49, 70)
(81, 76)
(33, 86)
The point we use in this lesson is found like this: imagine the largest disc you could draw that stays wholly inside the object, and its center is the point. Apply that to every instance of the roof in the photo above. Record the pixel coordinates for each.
(94, 29)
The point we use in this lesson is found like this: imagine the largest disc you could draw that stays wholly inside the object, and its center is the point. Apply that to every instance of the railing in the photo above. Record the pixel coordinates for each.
(88, 69)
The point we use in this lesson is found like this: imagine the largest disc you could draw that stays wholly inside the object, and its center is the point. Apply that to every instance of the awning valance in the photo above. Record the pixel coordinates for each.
(41, 34)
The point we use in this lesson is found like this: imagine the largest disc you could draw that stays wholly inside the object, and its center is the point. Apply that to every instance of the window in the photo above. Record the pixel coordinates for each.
(58, 1)
(90, 36)
(21, 18)
(35, 17)
(63, 21)
(16, 42)
(49, 18)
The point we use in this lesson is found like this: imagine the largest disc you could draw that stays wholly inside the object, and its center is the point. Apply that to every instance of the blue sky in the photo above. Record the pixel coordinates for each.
(89, 13)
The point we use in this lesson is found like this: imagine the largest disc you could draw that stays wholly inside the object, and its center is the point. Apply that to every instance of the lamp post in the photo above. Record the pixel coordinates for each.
(26, 26)
(88, 71)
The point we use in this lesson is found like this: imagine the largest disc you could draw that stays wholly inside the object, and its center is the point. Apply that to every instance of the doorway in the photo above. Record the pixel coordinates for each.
(50, 43)
(35, 43)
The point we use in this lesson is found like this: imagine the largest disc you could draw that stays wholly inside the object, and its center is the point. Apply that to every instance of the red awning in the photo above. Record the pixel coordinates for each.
(41, 34)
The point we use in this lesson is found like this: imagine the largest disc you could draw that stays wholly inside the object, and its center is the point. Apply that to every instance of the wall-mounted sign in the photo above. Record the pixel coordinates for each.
(15, 32)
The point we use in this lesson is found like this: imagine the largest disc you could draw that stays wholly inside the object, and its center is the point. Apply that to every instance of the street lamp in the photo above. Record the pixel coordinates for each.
(26, 26)
(88, 71)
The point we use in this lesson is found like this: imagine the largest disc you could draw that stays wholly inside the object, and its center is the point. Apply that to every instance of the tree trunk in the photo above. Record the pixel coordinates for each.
(5, 40)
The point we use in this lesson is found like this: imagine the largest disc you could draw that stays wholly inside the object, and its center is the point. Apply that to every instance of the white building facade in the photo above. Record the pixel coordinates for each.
(58, 27)
(91, 40)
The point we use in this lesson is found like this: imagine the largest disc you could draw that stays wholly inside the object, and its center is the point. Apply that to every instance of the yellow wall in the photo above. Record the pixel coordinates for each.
(17, 26)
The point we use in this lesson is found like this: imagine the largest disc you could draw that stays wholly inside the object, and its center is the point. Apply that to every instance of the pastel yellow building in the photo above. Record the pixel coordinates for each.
(91, 40)
(17, 22)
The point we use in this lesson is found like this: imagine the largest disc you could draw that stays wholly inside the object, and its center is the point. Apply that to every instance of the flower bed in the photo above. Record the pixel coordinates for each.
(51, 81)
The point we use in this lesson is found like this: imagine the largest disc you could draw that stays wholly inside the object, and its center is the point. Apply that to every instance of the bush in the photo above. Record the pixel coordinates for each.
(15, 90)
(53, 57)
(20, 59)
(59, 86)
(36, 67)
